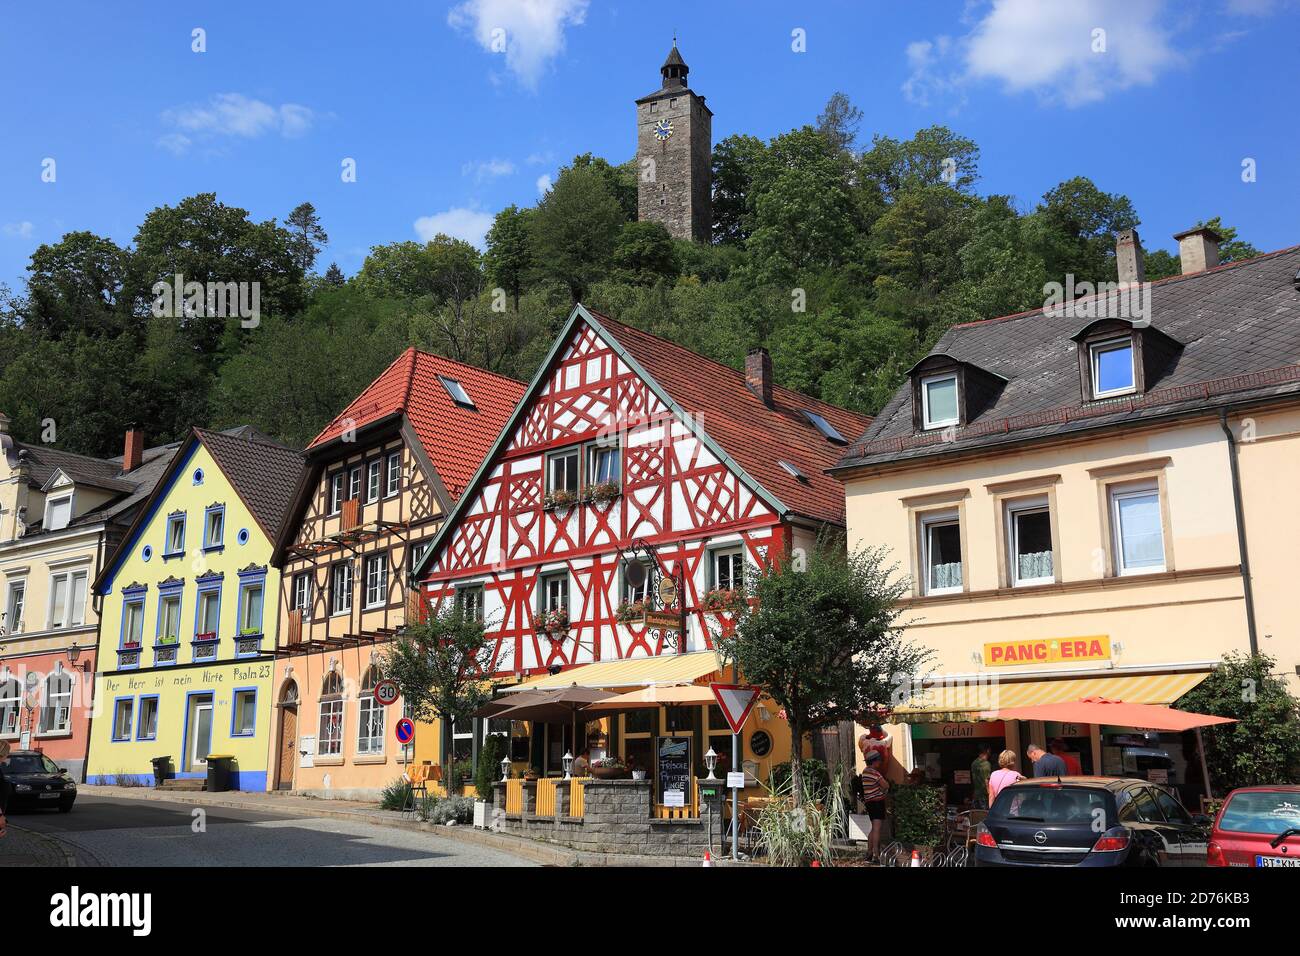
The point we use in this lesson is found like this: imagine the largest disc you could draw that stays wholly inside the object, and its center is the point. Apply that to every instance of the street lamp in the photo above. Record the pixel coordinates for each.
(73, 653)
(711, 761)
(568, 765)
(505, 768)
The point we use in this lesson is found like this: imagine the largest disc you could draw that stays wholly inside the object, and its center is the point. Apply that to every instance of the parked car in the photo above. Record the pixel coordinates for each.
(37, 781)
(1090, 821)
(1257, 826)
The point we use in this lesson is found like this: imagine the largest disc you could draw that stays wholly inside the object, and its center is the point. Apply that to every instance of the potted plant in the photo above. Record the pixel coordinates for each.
(633, 613)
(205, 636)
(609, 768)
(130, 645)
(555, 624)
(561, 499)
(724, 601)
(603, 492)
(167, 639)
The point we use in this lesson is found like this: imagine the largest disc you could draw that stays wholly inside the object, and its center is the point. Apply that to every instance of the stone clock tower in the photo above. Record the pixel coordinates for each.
(674, 142)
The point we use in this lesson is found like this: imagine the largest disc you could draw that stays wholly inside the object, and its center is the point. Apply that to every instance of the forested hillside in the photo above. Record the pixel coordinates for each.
(846, 259)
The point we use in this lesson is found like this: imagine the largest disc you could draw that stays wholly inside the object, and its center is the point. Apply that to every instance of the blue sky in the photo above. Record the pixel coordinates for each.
(445, 130)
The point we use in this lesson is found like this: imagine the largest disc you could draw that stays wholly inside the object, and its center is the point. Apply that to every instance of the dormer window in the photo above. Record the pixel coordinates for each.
(1112, 367)
(58, 512)
(939, 400)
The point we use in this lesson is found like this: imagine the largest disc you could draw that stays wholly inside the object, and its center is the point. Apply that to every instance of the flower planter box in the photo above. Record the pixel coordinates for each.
(611, 773)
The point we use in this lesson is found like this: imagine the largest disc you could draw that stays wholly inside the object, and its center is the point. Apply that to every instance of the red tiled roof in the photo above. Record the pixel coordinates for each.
(756, 436)
(455, 438)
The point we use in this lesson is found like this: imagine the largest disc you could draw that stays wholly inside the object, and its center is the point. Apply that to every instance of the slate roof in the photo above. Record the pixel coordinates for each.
(105, 473)
(263, 472)
(755, 436)
(1239, 325)
(455, 438)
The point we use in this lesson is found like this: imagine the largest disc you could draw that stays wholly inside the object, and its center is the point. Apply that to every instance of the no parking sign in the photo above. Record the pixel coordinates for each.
(405, 731)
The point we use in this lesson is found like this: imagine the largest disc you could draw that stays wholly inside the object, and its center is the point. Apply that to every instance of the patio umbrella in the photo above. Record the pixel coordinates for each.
(513, 699)
(556, 706)
(648, 697)
(1101, 710)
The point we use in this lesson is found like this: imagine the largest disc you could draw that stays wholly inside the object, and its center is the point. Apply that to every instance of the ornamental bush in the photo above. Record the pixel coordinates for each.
(488, 770)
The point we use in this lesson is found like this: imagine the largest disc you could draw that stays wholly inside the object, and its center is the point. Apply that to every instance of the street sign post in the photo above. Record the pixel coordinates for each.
(405, 731)
(735, 701)
(387, 692)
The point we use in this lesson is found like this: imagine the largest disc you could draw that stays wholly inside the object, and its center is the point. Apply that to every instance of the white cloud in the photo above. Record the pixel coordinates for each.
(486, 169)
(543, 184)
(22, 230)
(471, 225)
(1050, 49)
(233, 115)
(529, 32)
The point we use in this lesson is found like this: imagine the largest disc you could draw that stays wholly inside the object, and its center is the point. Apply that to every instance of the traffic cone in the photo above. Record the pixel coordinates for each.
(916, 857)
(708, 860)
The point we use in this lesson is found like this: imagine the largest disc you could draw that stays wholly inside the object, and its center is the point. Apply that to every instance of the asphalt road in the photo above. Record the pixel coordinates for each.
(105, 831)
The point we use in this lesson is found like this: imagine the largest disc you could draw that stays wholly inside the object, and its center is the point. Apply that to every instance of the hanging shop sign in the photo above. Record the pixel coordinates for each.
(959, 731)
(668, 620)
(1054, 650)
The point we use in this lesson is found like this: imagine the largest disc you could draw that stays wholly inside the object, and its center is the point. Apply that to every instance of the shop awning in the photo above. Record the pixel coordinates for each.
(977, 699)
(635, 672)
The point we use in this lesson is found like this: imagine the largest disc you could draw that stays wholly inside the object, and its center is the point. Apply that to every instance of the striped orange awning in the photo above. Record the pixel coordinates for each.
(978, 699)
(633, 672)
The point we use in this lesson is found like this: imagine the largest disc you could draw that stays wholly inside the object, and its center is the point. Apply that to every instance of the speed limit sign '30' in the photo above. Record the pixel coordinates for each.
(387, 692)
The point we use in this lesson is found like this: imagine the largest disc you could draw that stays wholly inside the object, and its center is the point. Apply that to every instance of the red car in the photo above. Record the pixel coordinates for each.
(1257, 826)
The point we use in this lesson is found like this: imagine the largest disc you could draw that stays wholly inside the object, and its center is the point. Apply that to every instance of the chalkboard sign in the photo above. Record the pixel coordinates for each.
(673, 767)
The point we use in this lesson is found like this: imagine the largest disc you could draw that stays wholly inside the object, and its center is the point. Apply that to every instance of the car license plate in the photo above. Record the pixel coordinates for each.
(50, 796)
(1261, 860)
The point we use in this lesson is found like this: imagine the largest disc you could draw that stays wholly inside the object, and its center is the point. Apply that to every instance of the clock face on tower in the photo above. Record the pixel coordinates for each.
(663, 129)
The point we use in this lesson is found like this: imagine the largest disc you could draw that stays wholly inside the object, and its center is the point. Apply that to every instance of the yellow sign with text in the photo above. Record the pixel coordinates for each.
(1052, 650)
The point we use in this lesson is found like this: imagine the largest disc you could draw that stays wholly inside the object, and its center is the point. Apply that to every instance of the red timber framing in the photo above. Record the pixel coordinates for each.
(681, 496)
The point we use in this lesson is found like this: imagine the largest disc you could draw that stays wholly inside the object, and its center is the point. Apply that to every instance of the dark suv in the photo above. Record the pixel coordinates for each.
(1090, 821)
(37, 781)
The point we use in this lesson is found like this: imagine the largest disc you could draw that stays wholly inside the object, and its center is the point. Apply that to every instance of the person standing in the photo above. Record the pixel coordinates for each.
(980, 771)
(1045, 764)
(1072, 766)
(1004, 776)
(874, 790)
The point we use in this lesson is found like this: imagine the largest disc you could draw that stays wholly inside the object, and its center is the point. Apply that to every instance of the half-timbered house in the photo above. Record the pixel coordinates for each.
(380, 478)
(616, 516)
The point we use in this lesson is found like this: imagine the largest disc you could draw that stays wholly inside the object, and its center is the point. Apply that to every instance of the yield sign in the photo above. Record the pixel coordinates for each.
(736, 701)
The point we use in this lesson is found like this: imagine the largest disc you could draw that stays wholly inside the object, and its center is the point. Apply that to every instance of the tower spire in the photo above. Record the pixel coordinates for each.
(674, 69)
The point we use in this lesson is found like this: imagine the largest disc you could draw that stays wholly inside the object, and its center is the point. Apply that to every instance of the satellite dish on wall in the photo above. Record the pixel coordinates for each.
(634, 573)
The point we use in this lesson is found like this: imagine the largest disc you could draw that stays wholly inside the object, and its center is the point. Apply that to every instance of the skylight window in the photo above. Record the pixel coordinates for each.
(457, 392)
(825, 427)
(793, 470)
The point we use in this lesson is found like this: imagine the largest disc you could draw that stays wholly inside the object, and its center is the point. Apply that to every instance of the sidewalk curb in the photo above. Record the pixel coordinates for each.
(69, 856)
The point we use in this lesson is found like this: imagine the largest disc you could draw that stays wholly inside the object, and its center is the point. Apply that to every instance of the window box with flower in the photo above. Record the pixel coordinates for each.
(603, 493)
(631, 613)
(724, 601)
(561, 499)
(555, 624)
(610, 768)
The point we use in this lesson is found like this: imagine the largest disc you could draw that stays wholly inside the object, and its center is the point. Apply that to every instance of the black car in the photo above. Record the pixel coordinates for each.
(1090, 821)
(37, 781)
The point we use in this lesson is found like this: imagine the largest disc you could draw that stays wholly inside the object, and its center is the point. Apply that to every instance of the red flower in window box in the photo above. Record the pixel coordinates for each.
(555, 624)
(131, 646)
(724, 601)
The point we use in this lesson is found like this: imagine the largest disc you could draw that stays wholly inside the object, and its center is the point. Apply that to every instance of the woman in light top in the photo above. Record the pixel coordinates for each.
(1004, 776)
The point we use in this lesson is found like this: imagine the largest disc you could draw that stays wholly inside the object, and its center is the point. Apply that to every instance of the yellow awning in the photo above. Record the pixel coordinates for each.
(635, 672)
(958, 700)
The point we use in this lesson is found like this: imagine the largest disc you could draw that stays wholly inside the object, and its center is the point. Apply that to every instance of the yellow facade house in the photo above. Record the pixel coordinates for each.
(188, 624)
(1092, 500)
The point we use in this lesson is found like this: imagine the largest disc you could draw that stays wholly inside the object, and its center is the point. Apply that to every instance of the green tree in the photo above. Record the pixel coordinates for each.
(440, 665)
(1264, 745)
(823, 639)
(575, 228)
(734, 160)
(644, 254)
(334, 275)
(309, 236)
(935, 156)
(78, 284)
(509, 256)
(1073, 230)
(839, 121)
(620, 181)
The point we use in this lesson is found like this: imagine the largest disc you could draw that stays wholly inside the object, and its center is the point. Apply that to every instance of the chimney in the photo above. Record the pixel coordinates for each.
(133, 451)
(758, 374)
(1128, 258)
(1198, 249)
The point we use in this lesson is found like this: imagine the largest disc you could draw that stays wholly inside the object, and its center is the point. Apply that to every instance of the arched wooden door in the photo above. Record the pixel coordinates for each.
(287, 751)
